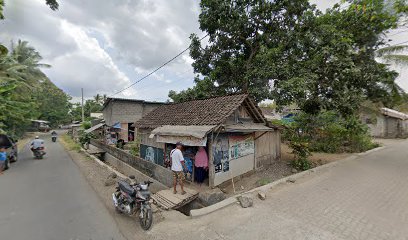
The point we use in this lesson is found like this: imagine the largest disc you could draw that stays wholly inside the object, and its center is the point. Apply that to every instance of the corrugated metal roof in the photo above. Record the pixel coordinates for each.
(94, 128)
(189, 131)
(394, 113)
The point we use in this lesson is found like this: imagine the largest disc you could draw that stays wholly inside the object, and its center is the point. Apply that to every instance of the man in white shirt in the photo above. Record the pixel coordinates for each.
(177, 165)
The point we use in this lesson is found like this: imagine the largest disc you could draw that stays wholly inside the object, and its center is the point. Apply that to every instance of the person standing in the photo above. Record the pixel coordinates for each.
(177, 165)
(3, 158)
(201, 165)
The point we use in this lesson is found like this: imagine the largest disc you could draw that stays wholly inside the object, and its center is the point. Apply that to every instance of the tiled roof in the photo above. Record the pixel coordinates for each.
(211, 111)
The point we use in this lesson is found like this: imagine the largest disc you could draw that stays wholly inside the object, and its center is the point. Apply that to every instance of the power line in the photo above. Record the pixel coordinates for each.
(157, 69)
(397, 33)
(398, 44)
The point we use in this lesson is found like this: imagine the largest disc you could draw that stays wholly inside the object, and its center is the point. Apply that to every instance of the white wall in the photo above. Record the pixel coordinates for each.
(237, 167)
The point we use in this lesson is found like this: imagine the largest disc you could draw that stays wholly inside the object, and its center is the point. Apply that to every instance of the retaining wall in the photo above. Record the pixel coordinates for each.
(159, 173)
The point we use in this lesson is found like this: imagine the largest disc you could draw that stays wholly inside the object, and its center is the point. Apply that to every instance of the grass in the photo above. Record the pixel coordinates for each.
(69, 143)
(263, 181)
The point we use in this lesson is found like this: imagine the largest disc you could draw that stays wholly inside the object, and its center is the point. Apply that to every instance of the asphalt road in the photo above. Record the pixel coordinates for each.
(50, 199)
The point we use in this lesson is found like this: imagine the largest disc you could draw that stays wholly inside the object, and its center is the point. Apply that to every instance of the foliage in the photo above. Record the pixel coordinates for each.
(85, 138)
(53, 4)
(394, 54)
(330, 132)
(290, 52)
(271, 105)
(263, 181)
(86, 125)
(69, 143)
(26, 92)
(52, 104)
(135, 146)
(300, 148)
(90, 106)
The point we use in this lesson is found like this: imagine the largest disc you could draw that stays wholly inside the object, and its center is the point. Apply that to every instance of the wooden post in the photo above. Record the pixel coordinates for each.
(211, 170)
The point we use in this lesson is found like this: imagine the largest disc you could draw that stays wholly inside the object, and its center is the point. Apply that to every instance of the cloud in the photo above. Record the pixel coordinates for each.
(104, 46)
(89, 66)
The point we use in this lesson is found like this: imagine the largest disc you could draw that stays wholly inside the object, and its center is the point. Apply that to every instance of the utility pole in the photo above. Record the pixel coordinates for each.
(83, 115)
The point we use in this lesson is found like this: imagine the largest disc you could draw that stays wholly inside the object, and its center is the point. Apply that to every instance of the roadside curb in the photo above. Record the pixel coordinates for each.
(234, 199)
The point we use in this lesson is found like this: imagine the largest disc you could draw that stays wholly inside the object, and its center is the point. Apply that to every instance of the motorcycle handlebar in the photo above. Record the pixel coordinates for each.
(148, 182)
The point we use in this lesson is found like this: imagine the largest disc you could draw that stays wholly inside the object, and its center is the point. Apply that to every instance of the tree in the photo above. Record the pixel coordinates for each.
(290, 52)
(91, 105)
(394, 54)
(53, 4)
(238, 30)
(26, 92)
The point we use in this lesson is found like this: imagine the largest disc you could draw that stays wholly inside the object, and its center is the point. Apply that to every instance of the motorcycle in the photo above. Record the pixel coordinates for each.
(54, 138)
(134, 197)
(38, 153)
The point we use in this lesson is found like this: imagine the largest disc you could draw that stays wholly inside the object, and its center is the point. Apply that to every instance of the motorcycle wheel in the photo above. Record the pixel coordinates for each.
(7, 165)
(147, 220)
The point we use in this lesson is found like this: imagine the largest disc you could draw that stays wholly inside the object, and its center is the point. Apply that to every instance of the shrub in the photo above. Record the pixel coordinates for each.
(85, 138)
(329, 132)
(135, 146)
(300, 148)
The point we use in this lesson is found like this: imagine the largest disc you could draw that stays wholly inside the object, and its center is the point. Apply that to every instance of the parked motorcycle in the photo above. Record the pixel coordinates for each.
(39, 153)
(131, 198)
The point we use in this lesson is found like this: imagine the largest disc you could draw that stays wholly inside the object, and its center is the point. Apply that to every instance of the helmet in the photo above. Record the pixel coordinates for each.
(37, 137)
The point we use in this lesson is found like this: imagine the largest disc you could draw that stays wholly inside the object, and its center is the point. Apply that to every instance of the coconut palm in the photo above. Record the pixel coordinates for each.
(394, 54)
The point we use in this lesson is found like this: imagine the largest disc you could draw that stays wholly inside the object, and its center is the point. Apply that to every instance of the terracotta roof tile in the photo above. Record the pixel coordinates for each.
(211, 111)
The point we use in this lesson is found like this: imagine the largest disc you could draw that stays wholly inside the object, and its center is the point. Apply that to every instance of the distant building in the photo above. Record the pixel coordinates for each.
(40, 125)
(97, 115)
(270, 114)
(385, 123)
(121, 113)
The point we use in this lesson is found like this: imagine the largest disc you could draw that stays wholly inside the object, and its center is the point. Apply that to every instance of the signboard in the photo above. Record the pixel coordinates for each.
(220, 154)
(240, 146)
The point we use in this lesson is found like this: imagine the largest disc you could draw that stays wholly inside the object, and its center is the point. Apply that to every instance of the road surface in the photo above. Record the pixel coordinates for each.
(366, 198)
(49, 199)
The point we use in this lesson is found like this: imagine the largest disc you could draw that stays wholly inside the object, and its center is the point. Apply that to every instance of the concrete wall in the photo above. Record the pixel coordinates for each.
(126, 111)
(159, 173)
(128, 170)
(237, 167)
(267, 148)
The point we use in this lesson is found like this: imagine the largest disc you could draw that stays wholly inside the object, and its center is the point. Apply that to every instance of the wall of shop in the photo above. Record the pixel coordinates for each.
(267, 148)
(231, 156)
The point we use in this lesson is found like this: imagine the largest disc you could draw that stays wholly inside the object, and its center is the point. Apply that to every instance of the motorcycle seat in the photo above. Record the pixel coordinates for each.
(125, 187)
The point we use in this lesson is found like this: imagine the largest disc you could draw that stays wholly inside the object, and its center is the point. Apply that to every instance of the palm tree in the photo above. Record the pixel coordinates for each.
(28, 57)
(394, 54)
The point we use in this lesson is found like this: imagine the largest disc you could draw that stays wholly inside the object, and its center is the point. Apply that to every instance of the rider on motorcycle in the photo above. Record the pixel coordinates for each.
(37, 143)
(54, 136)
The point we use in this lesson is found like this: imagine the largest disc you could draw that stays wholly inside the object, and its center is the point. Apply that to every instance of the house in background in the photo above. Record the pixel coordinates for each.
(40, 125)
(385, 123)
(120, 114)
(97, 115)
(236, 135)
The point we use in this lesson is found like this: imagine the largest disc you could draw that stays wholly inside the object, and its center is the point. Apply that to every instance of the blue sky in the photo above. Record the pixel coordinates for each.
(105, 47)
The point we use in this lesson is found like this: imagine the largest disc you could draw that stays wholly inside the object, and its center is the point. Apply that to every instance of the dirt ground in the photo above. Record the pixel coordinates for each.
(279, 169)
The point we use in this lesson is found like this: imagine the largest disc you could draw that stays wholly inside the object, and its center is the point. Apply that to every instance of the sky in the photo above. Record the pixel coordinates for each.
(103, 48)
